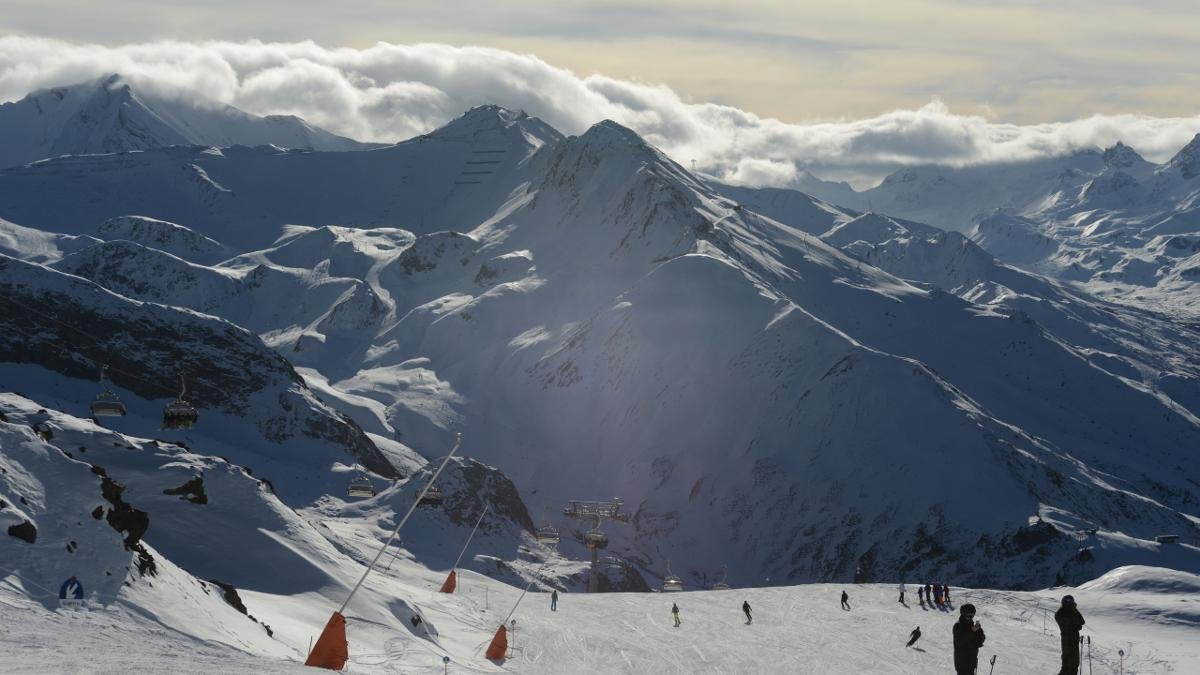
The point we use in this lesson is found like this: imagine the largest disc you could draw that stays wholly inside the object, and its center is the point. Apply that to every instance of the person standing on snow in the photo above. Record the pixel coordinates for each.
(902, 592)
(946, 594)
(675, 613)
(1070, 622)
(929, 594)
(921, 594)
(845, 601)
(554, 600)
(968, 638)
(746, 610)
(914, 636)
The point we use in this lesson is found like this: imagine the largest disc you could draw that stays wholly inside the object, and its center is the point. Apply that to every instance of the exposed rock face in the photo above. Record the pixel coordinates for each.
(192, 491)
(24, 531)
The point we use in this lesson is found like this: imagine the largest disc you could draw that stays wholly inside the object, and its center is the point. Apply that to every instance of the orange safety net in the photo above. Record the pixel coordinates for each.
(331, 651)
(499, 647)
(451, 582)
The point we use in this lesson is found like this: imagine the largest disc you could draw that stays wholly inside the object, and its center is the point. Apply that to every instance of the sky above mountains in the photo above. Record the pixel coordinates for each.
(849, 90)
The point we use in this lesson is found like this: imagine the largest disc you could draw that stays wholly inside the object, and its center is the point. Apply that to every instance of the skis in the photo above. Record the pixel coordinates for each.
(993, 665)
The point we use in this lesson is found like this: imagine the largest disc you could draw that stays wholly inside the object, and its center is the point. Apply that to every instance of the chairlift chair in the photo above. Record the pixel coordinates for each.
(721, 585)
(361, 487)
(671, 583)
(107, 403)
(432, 497)
(179, 414)
(548, 534)
(595, 538)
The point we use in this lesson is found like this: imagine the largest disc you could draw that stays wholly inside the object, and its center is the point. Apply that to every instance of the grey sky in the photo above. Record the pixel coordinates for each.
(798, 61)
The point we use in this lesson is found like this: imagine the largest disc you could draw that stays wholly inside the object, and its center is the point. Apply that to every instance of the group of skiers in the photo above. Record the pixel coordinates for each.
(967, 632)
(932, 594)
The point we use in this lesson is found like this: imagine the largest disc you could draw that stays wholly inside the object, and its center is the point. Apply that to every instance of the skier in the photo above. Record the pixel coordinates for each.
(554, 601)
(937, 594)
(914, 636)
(845, 601)
(921, 595)
(746, 611)
(1070, 622)
(946, 594)
(968, 638)
(71, 588)
(929, 594)
(675, 613)
(902, 592)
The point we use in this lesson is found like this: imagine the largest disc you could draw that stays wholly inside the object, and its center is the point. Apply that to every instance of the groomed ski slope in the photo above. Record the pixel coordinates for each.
(1152, 614)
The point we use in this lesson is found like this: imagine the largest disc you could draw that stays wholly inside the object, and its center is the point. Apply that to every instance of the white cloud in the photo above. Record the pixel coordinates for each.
(390, 92)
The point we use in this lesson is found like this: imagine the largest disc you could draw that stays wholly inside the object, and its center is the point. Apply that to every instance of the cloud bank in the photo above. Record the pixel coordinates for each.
(390, 92)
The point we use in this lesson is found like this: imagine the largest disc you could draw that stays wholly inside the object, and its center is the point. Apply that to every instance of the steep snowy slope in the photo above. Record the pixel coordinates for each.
(69, 326)
(590, 374)
(107, 116)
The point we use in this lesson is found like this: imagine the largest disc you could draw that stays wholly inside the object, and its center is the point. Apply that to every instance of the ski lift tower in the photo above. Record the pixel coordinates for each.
(595, 511)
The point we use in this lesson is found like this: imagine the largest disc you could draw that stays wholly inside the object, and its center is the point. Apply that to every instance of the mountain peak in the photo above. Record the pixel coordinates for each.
(494, 123)
(1187, 160)
(1121, 156)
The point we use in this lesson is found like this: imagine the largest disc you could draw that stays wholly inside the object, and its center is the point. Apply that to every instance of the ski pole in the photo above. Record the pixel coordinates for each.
(1122, 653)
(1089, 655)
(1080, 671)
(993, 667)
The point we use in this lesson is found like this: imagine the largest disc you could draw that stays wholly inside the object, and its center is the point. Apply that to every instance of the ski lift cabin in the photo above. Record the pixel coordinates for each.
(361, 487)
(107, 403)
(432, 497)
(548, 534)
(179, 414)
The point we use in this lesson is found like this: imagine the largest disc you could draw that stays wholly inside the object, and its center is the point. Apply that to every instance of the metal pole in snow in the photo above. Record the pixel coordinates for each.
(1122, 653)
(457, 442)
(464, 548)
(1089, 655)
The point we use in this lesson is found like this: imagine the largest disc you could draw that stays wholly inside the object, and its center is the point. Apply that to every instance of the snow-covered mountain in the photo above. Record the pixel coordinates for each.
(108, 115)
(1123, 227)
(771, 382)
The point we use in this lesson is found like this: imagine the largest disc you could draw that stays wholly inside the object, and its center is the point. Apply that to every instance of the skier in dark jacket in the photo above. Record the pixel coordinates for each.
(914, 636)
(1070, 622)
(675, 613)
(946, 594)
(554, 601)
(921, 594)
(968, 638)
(746, 610)
(845, 601)
(929, 594)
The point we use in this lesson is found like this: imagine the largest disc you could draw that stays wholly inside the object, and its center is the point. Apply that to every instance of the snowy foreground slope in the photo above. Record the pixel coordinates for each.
(1151, 614)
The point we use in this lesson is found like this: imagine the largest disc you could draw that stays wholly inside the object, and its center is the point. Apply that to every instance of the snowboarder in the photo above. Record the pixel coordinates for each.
(914, 636)
(675, 613)
(746, 611)
(71, 588)
(554, 600)
(845, 601)
(902, 592)
(1070, 622)
(968, 638)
